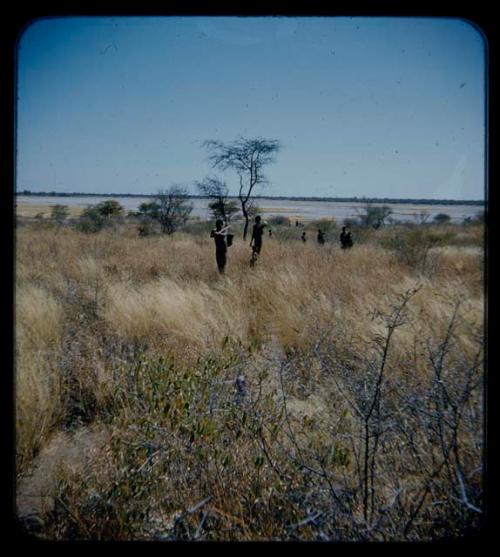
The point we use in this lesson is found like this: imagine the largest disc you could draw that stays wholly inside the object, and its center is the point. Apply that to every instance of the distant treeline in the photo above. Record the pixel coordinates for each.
(354, 199)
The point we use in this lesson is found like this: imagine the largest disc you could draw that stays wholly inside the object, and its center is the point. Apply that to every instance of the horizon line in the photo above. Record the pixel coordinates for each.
(289, 197)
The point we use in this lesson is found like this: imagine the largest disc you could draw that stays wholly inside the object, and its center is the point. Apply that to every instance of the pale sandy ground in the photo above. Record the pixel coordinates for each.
(25, 210)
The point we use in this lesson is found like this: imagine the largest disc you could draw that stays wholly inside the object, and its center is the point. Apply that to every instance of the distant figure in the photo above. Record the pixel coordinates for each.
(219, 235)
(345, 239)
(303, 237)
(321, 237)
(256, 241)
(270, 233)
(296, 223)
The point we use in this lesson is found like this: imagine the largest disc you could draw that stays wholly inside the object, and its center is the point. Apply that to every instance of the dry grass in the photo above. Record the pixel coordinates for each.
(98, 317)
(38, 332)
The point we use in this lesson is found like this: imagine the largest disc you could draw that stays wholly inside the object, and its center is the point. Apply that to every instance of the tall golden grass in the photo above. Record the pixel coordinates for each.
(38, 333)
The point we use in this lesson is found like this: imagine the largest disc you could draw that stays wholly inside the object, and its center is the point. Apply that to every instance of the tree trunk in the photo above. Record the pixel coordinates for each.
(245, 229)
(245, 214)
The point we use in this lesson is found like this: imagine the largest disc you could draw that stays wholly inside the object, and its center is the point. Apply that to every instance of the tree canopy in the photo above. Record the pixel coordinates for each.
(171, 208)
(247, 157)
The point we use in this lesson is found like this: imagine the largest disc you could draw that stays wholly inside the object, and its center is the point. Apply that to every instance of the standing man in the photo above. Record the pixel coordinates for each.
(345, 239)
(303, 237)
(219, 235)
(321, 237)
(256, 241)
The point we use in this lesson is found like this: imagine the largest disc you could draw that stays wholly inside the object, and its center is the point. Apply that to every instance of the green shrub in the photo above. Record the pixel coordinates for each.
(91, 220)
(442, 218)
(109, 208)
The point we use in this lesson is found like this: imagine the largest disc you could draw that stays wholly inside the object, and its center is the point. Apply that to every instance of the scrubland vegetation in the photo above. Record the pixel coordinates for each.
(320, 395)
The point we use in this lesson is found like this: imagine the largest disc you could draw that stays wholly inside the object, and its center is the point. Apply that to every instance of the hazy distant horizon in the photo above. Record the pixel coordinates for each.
(48, 193)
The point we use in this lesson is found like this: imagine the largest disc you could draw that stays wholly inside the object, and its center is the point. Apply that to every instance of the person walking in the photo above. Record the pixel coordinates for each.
(256, 241)
(219, 235)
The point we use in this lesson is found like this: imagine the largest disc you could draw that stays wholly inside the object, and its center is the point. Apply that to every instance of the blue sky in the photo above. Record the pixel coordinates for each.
(376, 107)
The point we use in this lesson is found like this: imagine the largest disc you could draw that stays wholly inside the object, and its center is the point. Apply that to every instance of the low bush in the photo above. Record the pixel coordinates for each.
(412, 244)
(91, 220)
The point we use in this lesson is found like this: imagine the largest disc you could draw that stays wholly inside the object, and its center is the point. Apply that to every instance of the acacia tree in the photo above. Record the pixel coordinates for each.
(248, 158)
(172, 208)
(217, 190)
(374, 215)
